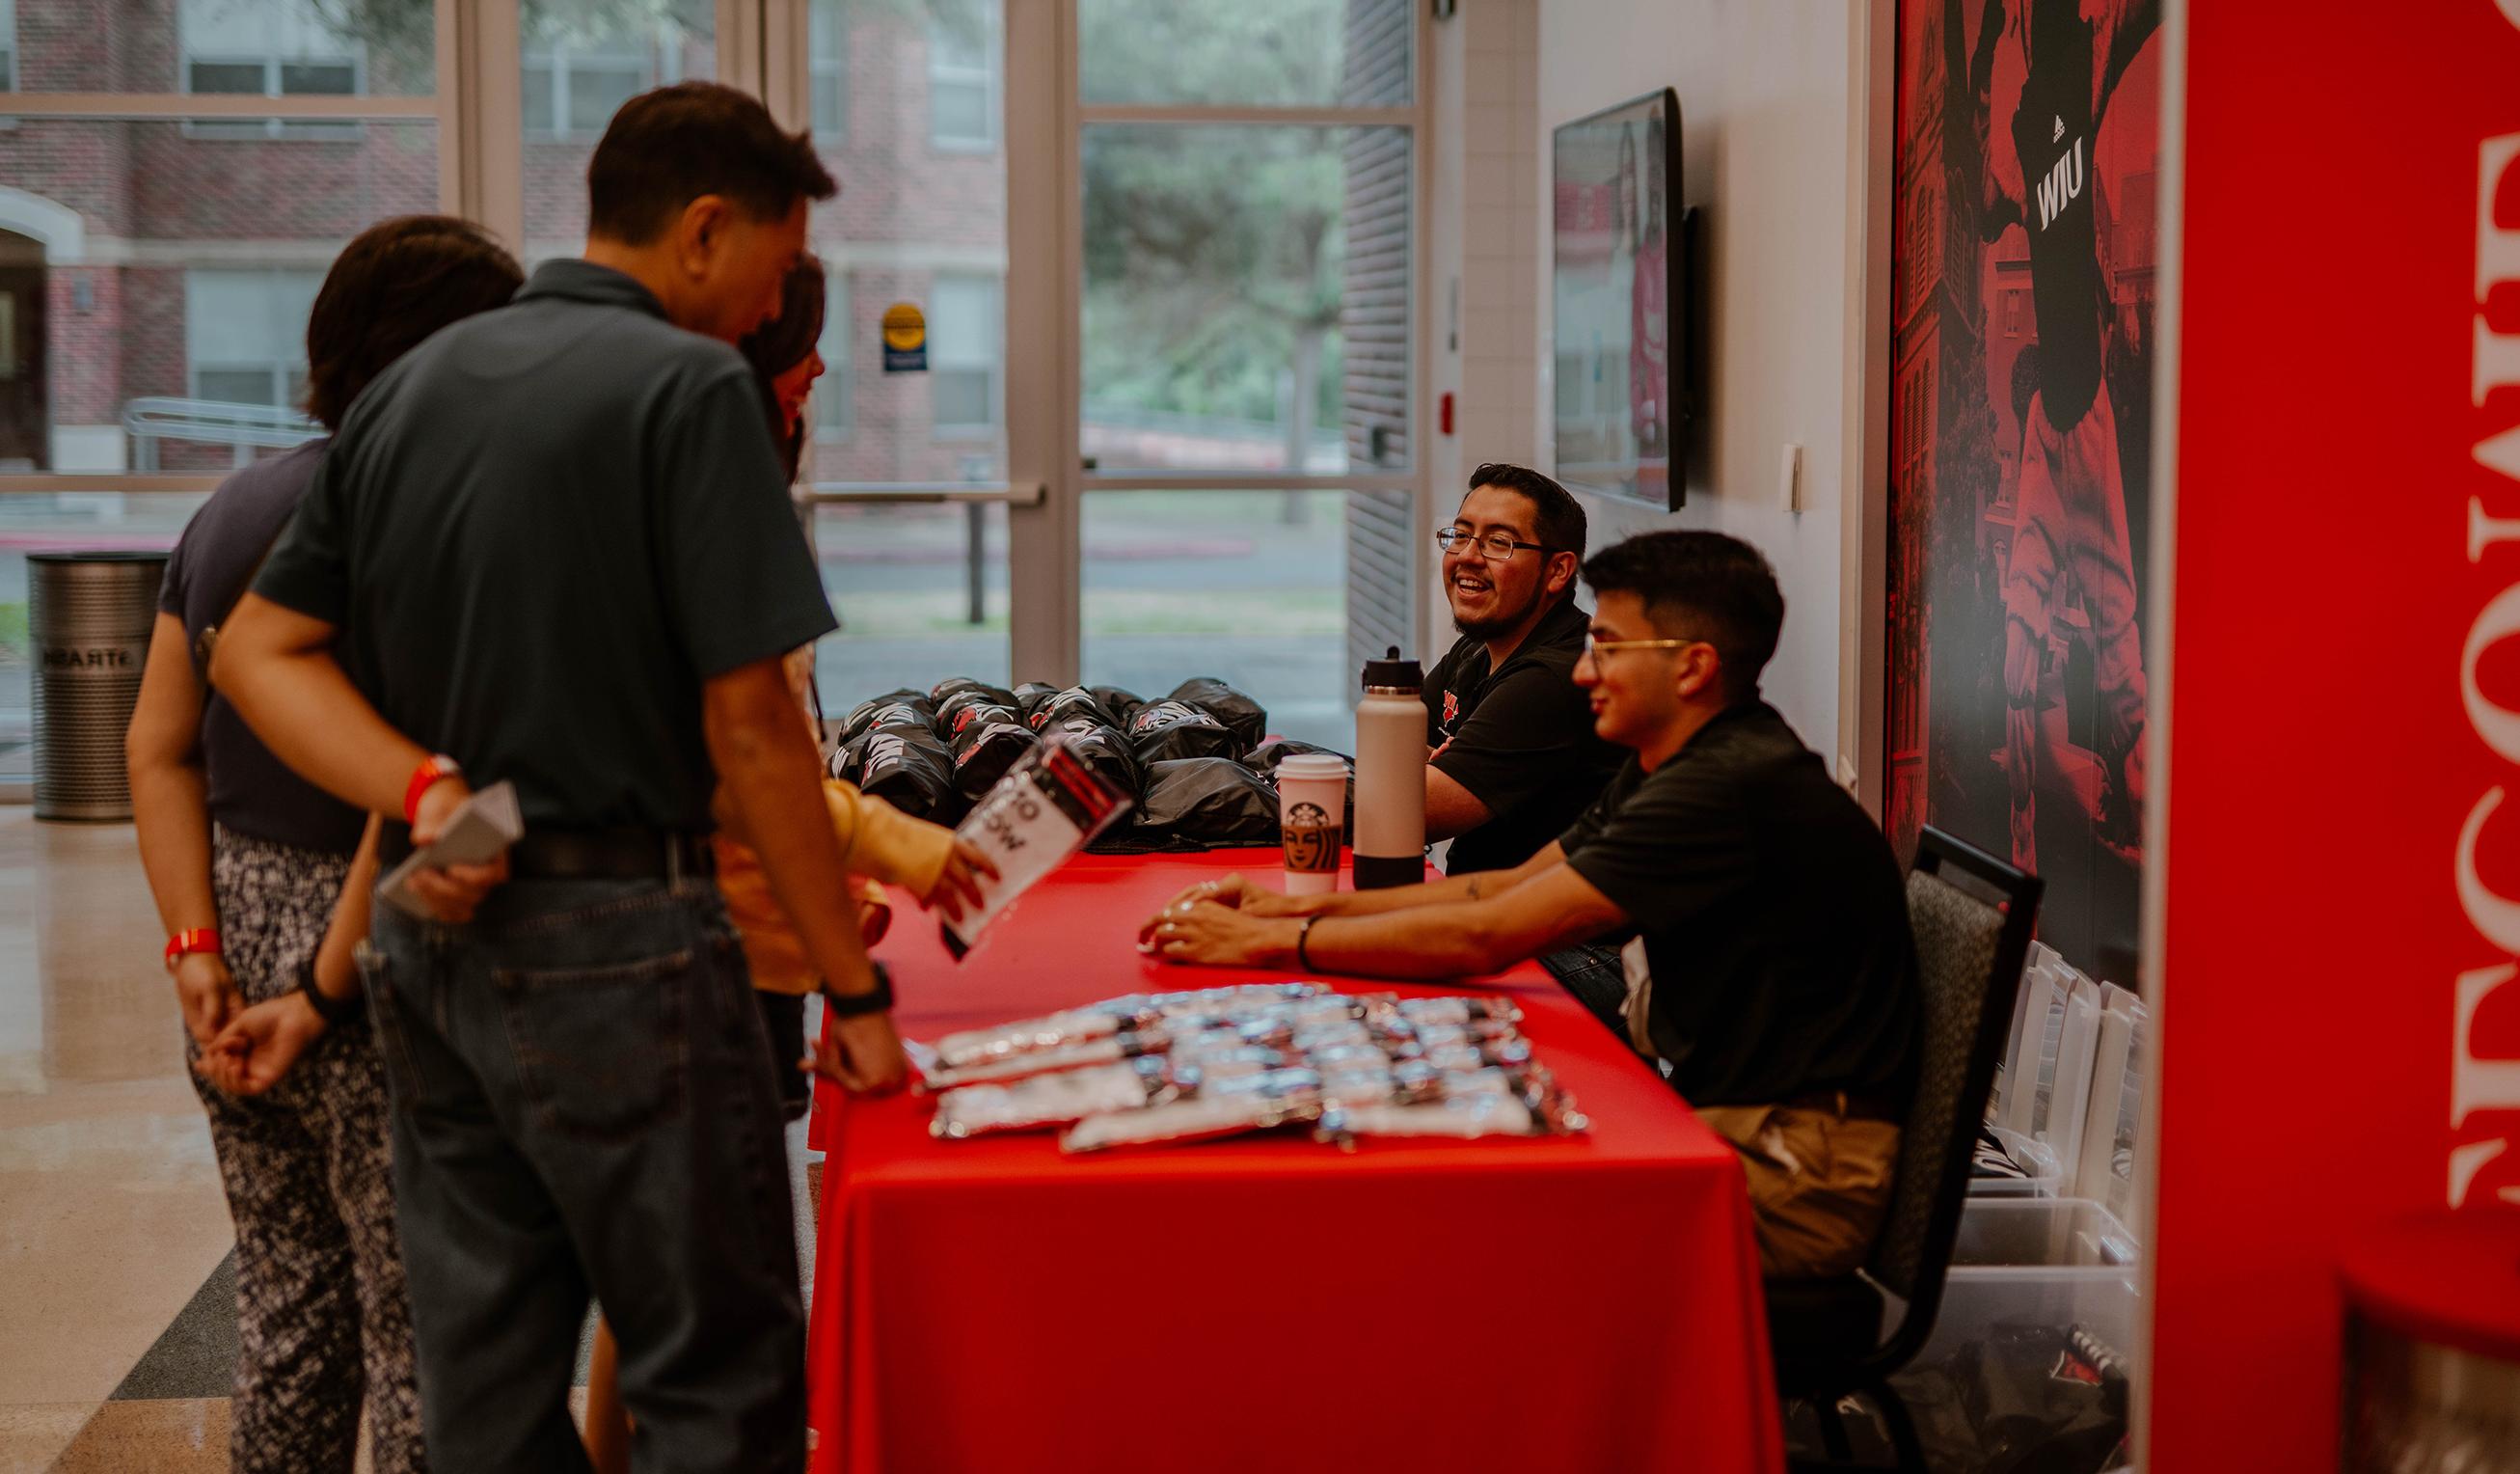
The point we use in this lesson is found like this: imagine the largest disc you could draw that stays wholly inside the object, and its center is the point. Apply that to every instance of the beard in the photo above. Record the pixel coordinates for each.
(1499, 623)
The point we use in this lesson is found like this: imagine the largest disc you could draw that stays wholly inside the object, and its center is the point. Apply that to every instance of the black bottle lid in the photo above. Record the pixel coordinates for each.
(1391, 672)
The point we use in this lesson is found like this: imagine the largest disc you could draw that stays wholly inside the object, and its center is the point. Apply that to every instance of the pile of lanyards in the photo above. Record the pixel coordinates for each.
(1156, 1068)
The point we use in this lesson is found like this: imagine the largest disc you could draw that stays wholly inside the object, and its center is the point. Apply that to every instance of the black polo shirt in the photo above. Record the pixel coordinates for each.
(540, 532)
(1522, 740)
(1773, 915)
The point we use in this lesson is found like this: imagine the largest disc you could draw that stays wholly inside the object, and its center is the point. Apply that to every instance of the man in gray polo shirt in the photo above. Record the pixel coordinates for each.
(553, 546)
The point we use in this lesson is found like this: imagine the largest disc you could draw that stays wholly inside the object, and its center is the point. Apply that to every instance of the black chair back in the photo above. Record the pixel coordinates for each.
(1973, 916)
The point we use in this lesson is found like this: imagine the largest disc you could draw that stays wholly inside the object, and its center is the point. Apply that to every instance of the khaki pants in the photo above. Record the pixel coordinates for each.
(1819, 1183)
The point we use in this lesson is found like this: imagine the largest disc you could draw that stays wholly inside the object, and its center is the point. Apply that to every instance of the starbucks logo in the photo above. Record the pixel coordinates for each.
(1311, 836)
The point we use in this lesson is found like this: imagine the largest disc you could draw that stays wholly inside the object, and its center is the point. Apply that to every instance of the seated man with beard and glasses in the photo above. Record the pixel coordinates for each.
(1771, 977)
(1515, 757)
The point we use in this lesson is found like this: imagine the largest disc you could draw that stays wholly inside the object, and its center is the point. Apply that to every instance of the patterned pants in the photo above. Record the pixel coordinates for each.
(323, 1318)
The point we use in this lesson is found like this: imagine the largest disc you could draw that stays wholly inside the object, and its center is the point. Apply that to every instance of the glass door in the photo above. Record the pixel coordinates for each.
(906, 103)
(1248, 184)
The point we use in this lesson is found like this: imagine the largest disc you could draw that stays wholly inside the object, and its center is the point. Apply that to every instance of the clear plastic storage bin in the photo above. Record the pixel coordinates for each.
(2057, 1261)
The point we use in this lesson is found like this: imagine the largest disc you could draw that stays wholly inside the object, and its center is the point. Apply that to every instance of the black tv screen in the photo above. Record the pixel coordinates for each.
(1616, 273)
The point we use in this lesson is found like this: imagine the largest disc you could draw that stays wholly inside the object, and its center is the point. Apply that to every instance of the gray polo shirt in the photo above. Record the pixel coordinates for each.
(540, 532)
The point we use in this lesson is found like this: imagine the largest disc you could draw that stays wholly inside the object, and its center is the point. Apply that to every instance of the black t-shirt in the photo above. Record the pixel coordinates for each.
(1522, 740)
(1773, 913)
(250, 791)
(540, 532)
(2053, 132)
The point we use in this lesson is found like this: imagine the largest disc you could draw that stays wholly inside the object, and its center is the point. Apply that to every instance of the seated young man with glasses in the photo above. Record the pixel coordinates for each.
(1515, 757)
(1772, 976)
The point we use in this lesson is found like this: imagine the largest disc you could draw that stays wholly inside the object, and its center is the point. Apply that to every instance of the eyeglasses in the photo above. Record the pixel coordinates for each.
(1498, 545)
(1597, 648)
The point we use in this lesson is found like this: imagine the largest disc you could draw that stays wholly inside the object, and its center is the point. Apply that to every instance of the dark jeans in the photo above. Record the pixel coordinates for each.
(1596, 979)
(579, 1105)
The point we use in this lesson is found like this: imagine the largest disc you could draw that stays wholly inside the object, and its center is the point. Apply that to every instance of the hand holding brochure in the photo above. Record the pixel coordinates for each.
(477, 833)
(1046, 808)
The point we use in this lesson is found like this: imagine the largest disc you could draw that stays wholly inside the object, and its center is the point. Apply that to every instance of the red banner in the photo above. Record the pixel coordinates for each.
(2340, 1014)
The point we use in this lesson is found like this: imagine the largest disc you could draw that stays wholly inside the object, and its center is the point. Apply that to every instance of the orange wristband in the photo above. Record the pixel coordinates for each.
(191, 940)
(424, 778)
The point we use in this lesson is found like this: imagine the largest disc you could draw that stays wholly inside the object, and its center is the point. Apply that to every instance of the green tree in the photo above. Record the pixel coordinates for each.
(1213, 255)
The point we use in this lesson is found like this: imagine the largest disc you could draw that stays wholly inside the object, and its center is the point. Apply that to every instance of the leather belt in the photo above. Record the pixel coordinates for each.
(1846, 1105)
(627, 854)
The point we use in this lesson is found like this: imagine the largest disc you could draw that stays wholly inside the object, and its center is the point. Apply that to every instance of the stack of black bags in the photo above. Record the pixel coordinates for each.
(1196, 763)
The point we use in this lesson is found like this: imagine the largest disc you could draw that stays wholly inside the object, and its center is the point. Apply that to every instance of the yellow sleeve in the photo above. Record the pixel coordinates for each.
(879, 841)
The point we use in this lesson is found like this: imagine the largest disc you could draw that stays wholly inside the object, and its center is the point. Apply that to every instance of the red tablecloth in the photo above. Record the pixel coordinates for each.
(1271, 1305)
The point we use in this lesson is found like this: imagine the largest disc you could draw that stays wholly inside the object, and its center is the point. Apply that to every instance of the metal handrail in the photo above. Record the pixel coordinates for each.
(924, 494)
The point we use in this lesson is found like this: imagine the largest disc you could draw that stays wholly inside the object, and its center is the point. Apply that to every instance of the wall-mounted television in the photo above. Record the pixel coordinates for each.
(1618, 271)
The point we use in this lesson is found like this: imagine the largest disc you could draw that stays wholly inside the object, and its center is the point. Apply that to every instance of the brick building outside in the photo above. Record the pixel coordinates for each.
(154, 276)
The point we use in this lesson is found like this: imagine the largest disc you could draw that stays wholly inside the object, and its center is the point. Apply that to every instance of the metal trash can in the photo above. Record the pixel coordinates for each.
(89, 617)
(2432, 1346)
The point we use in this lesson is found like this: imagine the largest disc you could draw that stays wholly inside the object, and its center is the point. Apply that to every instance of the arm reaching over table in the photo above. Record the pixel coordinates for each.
(1463, 926)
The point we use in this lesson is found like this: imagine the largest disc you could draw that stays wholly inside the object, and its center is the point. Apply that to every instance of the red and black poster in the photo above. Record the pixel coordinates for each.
(2027, 156)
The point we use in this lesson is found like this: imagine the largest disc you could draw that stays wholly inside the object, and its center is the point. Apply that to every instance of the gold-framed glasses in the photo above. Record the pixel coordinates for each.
(1597, 648)
(1498, 545)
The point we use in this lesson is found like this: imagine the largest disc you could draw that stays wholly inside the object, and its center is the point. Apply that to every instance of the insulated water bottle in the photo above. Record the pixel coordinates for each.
(1390, 842)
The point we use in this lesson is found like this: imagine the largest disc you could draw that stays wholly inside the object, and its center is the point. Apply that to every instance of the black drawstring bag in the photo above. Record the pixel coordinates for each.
(903, 707)
(984, 750)
(1074, 702)
(1172, 729)
(1030, 696)
(1207, 802)
(1245, 717)
(1104, 751)
(955, 685)
(963, 708)
(1122, 702)
(907, 767)
(1265, 757)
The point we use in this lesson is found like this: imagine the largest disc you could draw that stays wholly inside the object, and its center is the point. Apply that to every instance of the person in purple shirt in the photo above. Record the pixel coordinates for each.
(248, 862)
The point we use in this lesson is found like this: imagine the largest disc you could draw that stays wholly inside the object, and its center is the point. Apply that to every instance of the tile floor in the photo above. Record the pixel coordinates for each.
(115, 1329)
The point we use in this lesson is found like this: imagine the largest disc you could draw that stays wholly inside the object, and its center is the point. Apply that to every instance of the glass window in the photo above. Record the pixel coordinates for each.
(964, 326)
(581, 61)
(834, 395)
(913, 225)
(963, 49)
(244, 340)
(828, 45)
(116, 351)
(1249, 53)
(276, 48)
(920, 592)
(120, 46)
(572, 92)
(1247, 298)
(1250, 586)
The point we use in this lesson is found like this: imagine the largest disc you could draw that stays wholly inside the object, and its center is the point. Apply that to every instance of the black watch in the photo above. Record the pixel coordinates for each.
(877, 1000)
(334, 1012)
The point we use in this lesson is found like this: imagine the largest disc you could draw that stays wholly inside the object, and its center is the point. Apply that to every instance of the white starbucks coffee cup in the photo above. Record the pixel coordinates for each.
(1311, 807)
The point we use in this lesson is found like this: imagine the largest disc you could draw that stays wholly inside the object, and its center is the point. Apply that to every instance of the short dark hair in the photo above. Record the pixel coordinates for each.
(782, 344)
(1556, 519)
(667, 147)
(397, 282)
(1707, 585)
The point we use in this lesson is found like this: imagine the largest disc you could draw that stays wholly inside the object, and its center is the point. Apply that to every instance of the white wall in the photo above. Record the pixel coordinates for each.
(1485, 272)
(1773, 151)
